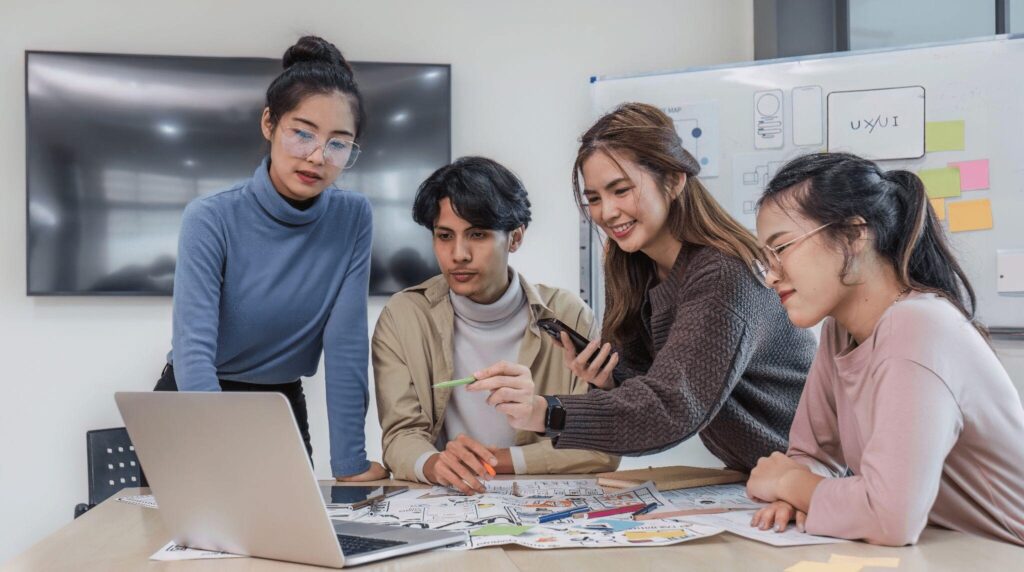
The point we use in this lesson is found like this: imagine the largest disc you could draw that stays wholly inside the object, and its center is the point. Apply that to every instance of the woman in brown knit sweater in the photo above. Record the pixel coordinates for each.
(696, 344)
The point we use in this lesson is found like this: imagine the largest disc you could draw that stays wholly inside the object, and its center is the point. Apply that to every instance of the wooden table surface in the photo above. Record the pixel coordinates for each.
(118, 536)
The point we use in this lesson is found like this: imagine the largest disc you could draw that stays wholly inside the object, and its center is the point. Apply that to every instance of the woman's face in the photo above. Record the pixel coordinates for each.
(808, 279)
(626, 202)
(324, 125)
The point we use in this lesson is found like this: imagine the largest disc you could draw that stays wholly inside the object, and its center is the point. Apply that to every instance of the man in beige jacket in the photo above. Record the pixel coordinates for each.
(479, 311)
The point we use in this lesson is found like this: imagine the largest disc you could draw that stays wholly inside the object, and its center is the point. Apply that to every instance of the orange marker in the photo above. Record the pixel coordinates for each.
(490, 469)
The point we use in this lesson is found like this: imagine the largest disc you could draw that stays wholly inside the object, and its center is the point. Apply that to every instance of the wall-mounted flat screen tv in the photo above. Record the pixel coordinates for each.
(117, 145)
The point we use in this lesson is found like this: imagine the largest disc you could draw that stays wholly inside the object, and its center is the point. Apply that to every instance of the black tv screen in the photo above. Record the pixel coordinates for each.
(117, 145)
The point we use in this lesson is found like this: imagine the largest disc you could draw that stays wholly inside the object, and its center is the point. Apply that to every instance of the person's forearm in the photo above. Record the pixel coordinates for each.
(797, 487)
(505, 465)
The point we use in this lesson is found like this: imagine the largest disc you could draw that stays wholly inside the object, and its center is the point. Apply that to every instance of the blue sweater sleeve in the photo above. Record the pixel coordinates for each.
(197, 289)
(346, 357)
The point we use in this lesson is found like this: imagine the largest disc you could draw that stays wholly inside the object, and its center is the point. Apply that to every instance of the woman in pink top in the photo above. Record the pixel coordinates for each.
(907, 417)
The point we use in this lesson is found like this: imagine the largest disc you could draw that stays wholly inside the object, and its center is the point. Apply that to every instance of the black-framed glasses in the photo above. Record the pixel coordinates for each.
(773, 255)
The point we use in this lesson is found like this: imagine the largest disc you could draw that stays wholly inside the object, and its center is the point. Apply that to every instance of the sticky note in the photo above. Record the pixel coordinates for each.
(944, 136)
(970, 215)
(500, 530)
(939, 206)
(973, 174)
(809, 566)
(653, 534)
(866, 562)
(941, 183)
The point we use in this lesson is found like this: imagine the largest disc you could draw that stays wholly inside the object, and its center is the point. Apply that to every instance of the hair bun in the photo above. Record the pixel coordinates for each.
(315, 50)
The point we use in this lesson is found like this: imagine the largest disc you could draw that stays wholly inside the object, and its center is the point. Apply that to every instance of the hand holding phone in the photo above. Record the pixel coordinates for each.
(590, 361)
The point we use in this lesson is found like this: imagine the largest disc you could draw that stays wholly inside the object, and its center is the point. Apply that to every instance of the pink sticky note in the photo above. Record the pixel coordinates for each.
(973, 174)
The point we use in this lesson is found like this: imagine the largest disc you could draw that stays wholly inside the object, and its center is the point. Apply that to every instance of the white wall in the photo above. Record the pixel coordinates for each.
(520, 72)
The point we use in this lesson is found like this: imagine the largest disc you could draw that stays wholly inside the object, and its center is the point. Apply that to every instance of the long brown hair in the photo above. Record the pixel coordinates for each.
(645, 135)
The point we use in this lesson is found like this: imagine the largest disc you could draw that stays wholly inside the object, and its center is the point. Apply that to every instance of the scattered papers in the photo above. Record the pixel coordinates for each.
(944, 136)
(713, 497)
(493, 519)
(970, 215)
(608, 524)
(738, 523)
(499, 530)
(865, 562)
(544, 488)
(568, 535)
(139, 500)
(173, 552)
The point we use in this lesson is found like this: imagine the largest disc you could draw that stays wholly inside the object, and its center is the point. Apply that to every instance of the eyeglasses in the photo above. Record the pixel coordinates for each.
(300, 144)
(773, 254)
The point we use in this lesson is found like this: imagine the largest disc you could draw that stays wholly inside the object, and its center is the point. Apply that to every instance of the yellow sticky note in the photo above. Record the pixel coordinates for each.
(970, 215)
(941, 183)
(809, 566)
(652, 534)
(866, 562)
(939, 206)
(944, 136)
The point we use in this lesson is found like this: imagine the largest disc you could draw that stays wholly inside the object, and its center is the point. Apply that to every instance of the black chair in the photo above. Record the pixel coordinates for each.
(113, 466)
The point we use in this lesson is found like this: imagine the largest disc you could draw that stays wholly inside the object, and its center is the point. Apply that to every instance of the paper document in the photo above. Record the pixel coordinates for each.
(538, 487)
(704, 500)
(738, 523)
(172, 551)
(493, 518)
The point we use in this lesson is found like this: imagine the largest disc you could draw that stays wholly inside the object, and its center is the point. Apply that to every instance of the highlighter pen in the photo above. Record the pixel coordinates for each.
(455, 382)
(561, 515)
(489, 469)
(631, 509)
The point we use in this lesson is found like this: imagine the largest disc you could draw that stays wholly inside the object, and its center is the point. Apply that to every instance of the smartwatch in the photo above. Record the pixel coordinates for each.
(554, 417)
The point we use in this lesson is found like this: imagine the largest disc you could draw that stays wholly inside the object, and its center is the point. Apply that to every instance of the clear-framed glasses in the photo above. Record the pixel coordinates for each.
(339, 152)
(773, 255)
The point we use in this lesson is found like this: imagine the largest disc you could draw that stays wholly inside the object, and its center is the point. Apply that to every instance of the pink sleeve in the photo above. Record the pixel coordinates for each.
(916, 422)
(814, 435)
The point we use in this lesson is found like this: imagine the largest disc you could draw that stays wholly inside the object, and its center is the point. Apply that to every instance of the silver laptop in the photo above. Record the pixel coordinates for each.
(230, 472)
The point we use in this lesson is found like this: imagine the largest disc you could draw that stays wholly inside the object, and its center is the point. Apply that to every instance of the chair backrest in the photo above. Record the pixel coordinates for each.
(113, 464)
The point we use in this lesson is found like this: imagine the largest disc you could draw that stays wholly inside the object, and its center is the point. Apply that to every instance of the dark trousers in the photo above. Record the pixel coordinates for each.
(292, 391)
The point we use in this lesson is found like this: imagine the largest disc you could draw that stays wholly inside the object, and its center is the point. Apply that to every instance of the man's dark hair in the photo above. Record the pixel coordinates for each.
(481, 191)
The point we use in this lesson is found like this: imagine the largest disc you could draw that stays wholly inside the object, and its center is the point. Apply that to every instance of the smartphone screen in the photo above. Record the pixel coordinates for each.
(344, 495)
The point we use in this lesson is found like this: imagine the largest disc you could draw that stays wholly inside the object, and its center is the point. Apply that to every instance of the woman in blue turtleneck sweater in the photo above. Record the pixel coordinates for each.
(275, 270)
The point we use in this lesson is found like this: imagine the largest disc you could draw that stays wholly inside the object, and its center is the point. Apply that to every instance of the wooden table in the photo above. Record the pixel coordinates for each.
(118, 536)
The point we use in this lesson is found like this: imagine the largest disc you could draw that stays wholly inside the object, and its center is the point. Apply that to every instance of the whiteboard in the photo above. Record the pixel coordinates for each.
(758, 115)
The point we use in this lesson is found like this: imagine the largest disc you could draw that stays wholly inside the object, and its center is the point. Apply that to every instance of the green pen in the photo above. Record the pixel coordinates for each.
(455, 382)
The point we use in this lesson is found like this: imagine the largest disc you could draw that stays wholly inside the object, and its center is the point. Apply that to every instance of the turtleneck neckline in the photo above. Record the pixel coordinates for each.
(278, 207)
(496, 312)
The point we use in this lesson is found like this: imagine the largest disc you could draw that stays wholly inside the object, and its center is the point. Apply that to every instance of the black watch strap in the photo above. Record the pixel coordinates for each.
(554, 417)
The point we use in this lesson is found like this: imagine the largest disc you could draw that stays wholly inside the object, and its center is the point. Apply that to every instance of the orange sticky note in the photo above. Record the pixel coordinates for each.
(939, 206)
(970, 215)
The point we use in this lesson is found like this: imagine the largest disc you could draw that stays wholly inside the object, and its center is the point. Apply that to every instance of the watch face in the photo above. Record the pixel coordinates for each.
(556, 420)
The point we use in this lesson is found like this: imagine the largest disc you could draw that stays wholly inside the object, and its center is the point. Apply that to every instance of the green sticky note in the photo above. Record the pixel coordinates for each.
(500, 530)
(941, 183)
(944, 136)
(463, 381)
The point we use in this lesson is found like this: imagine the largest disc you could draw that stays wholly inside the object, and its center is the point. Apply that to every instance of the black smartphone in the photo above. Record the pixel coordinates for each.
(555, 327)
(357, 496)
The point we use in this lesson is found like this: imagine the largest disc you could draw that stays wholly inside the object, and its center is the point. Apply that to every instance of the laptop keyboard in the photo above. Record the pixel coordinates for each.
(351, 545)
